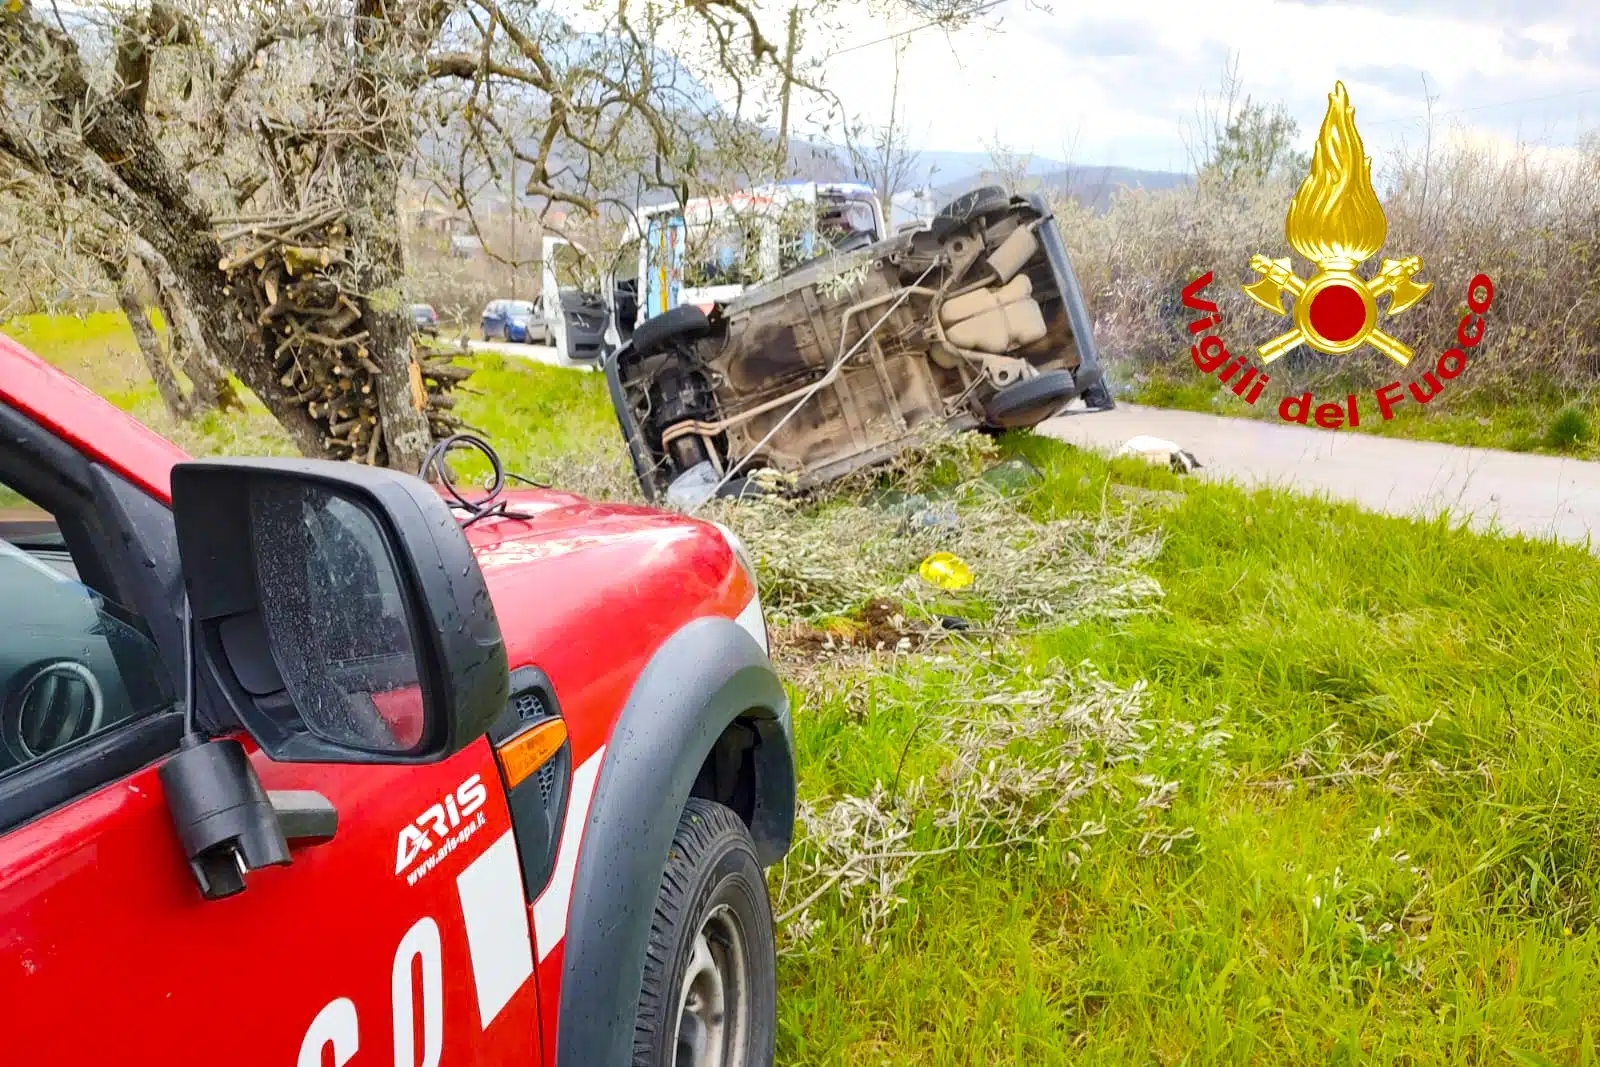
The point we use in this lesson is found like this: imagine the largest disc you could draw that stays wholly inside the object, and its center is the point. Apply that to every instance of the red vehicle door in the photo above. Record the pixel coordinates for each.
(402, 940)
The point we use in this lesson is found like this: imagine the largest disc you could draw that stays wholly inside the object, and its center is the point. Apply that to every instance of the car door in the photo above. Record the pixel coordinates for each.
(404, 939)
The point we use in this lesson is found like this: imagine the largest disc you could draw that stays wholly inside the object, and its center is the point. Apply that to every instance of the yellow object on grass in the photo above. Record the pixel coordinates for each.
(945, 570)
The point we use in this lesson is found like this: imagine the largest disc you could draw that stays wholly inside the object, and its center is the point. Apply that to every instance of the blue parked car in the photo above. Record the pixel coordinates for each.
(514, 320)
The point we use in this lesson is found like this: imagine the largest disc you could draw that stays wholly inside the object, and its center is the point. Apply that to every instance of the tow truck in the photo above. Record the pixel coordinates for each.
(300, 766)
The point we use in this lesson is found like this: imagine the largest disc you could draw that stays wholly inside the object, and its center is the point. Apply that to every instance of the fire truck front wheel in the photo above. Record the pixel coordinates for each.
(709, 996)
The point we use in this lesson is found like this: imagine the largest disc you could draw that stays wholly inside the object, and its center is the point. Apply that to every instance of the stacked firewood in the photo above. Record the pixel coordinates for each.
(295, 270)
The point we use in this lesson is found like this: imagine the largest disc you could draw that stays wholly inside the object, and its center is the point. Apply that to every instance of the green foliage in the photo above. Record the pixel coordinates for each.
(1569, 429)
(1257, 143)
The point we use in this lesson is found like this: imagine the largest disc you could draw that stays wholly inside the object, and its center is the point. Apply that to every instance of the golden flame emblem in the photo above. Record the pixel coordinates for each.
(1336, 222)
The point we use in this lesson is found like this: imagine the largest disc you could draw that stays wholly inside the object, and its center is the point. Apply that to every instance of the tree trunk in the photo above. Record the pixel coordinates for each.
(186, 342)
(134, 182)
(230, 331)
(224, 322)
(788, 89)
(371, 195)
(211, 387)
(371, 189)
(155, 357)
(145, 192)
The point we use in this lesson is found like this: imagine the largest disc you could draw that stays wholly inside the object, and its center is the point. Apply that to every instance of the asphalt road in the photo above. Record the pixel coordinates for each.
(1541, 496)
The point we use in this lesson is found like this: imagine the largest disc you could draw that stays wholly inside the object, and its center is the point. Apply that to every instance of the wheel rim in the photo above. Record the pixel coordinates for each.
(714, 1002)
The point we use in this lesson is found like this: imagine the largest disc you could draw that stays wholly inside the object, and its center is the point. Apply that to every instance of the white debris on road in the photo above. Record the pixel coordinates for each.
(1157, 450)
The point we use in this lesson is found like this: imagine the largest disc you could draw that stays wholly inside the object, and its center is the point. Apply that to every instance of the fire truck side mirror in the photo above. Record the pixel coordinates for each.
(339, 613)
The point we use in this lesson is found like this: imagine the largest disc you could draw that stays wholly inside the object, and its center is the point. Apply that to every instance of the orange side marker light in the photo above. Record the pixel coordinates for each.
(521, 756)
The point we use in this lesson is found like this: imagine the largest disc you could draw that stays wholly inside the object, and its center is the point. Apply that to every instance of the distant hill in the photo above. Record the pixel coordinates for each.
(951, 173)
(946, 173)
(1091, 186)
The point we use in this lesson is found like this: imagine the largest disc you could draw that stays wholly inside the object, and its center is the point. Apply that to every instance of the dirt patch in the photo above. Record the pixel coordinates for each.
(879, 626)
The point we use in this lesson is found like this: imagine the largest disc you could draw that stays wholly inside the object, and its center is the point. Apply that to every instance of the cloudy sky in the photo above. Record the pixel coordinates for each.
(1113, 83)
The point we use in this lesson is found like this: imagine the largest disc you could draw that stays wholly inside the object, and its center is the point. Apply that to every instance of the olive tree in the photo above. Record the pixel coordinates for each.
(249, 162)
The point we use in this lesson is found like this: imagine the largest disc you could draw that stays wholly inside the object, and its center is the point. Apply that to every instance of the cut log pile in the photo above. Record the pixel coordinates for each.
(295, 271)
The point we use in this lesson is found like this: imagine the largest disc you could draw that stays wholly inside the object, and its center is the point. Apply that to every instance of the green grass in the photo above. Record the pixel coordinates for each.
(1548, 421)
(1392, 849)
(534, 414)
(1393, 862)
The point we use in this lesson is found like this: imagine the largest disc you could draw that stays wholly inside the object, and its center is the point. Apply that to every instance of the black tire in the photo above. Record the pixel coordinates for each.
(1098, 397)
(712, 878)
(984, 200)
(1031, 401)
(685, 323)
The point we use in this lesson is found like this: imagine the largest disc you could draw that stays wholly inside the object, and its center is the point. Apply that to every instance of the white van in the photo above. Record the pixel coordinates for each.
(711, 249)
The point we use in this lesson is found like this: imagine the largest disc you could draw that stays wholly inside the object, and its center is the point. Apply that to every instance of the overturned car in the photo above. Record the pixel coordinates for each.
(974, 321)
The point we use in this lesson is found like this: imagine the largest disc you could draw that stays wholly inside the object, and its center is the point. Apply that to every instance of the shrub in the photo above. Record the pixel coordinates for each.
(1531, 221)
(1569, 429)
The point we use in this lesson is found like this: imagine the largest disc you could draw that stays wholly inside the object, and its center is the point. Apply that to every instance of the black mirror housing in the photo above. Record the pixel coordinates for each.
(339, 610)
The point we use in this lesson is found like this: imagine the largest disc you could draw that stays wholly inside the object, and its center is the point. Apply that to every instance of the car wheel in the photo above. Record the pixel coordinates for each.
(984, 200)
(709, 996)
(685, 323)
(1030, 401)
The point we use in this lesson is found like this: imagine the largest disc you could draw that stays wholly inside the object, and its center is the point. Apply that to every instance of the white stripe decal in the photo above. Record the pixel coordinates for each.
(497, 926)
(550, 910)
(753, 622)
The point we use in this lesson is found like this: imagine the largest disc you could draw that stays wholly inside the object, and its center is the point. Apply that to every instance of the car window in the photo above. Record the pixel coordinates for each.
(797, 235)
(727, 251)
(519, 307)
(72, 662)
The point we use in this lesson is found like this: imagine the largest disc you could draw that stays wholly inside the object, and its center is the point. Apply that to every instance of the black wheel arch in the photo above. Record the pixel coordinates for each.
(644, 464)
(707, 693)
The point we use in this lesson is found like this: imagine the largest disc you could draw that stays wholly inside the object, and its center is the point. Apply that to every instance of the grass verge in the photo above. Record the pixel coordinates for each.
(1350, 817)
(1548, 421)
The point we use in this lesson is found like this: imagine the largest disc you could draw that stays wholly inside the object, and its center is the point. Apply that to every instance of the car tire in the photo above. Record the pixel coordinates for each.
(685, 323)
(710, 977)
(1031, 401)
(984, 200)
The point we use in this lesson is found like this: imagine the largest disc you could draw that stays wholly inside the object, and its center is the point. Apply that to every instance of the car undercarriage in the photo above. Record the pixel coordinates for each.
(975, 321)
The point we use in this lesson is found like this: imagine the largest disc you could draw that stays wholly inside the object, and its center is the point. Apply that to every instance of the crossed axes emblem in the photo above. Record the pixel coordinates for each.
(1393, 280)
